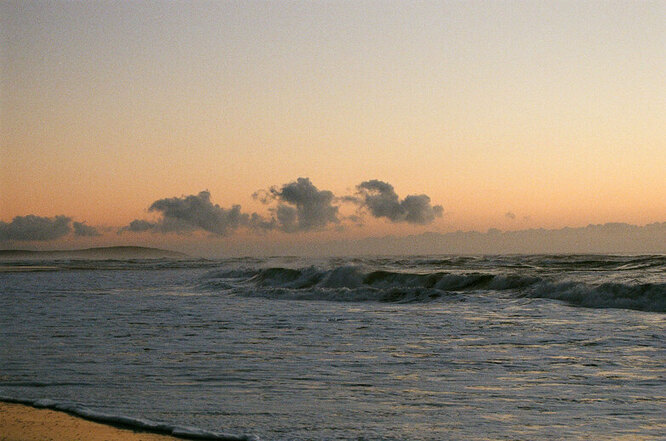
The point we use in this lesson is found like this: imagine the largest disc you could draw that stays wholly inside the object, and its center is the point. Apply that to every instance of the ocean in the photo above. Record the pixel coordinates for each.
(377, 348)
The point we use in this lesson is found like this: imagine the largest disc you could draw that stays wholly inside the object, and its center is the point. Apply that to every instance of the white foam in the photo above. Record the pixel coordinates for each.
(130, 422)
(351, 283)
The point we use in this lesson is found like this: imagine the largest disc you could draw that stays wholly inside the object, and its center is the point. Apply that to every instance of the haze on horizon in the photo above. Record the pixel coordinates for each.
(259, 127)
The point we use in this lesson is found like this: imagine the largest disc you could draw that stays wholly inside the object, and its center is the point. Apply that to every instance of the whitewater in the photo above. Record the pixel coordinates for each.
(372, 348)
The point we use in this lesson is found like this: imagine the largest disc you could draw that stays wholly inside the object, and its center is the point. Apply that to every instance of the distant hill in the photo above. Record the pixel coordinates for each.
(94, 253)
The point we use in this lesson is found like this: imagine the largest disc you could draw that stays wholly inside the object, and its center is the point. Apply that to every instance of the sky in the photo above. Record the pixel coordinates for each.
(149, 122)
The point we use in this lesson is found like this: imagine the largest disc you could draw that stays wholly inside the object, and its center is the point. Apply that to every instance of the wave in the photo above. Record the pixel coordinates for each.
(351, 277)
(353, 283)
(586, 262)
(130, 422)
(644, 297)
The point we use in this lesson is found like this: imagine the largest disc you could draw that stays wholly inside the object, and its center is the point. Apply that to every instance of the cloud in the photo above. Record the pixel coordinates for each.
(31, 227)
(510, 215)
(356, 219)
(293, 207)
(83, 230)
(303, 207)
(382, 201)
(603, 239)
(190, 213)
(258, 222)
(263, 196)
(139, 226)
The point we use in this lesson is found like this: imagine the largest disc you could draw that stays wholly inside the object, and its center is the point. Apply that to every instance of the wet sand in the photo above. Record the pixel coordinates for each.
(25, 423)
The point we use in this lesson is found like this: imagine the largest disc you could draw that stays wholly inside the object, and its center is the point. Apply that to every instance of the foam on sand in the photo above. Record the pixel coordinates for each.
(28, 420)
(25, 423)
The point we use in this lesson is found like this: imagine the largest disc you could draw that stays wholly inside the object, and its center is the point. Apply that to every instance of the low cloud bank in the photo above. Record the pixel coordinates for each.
(31, 227)
(294, 207)
(297, 206)
(610, 238)
(83, 230)
(606, 238)
(37, 228)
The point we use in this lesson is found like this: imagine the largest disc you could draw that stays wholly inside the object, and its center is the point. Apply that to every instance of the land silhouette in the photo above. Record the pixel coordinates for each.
(117, 252)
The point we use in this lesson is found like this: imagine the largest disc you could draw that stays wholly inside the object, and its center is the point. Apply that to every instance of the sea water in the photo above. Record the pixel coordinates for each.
(385, 348)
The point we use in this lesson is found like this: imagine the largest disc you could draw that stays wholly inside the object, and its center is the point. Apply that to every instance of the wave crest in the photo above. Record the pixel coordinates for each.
(644, 297)
(353, 283)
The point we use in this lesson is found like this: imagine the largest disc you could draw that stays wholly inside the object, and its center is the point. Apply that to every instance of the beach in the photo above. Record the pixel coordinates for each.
(25, 423)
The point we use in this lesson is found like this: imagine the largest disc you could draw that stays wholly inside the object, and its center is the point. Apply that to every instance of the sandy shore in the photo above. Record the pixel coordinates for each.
(25, 423)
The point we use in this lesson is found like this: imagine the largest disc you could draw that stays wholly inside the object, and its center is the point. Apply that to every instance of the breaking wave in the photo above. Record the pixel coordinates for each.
(352, 283)
(644, 297)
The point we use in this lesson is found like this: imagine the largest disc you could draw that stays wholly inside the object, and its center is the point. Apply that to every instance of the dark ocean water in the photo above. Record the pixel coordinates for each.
(386, 348)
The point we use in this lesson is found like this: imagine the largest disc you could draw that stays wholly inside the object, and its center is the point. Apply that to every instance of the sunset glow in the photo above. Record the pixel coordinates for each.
(510, 115)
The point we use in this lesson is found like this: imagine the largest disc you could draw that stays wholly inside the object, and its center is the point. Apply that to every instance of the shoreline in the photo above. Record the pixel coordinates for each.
(22, 422)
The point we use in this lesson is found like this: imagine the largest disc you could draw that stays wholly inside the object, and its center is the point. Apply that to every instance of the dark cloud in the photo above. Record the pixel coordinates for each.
(31, 227)
(510, 215)
(356, 219)
(350, 199)
(189, 213)
(293, 207)
(287, 218)
(258, 222)
(83, 230)
(139, 226)
(303, 207)
(382, 201)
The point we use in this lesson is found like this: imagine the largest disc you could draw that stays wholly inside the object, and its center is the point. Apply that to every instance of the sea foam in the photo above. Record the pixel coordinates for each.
(130, 422)
(354, 283)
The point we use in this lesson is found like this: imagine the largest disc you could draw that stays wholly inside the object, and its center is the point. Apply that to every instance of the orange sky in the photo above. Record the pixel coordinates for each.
(552, 111)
